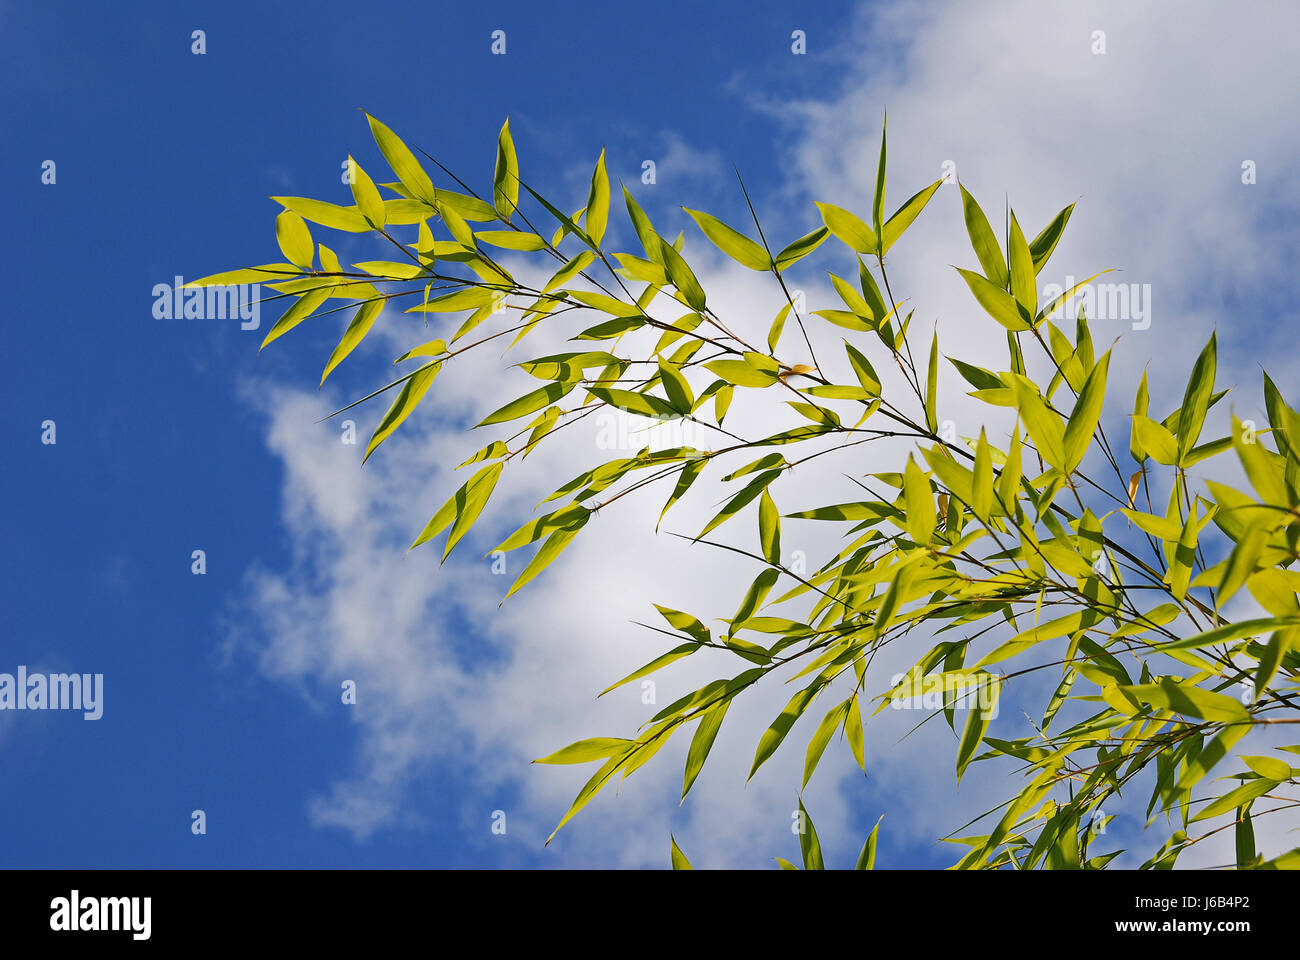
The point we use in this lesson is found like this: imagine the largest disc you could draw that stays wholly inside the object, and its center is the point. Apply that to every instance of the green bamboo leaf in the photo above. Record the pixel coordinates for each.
(731, 242)
(982, 479)
(505, 179)
(676, 653)
(1156, 617)
(512, 239)
(572, 268)
(433, 348)
(721, 401)
(809, 845)
(800, 248)
(756, 594)
(1279, 645)
(589, 790)
(366, 196)
(296, 314)
(687, 477)
(492, 451)
(846, 319)
(1035, 635)
(848, 228)
(682, 277)
(641, 404)
(1270, 767)
(1042, 246)
(263, 274)
(597, 215)
(977, 723)
(1023, 283)
(772, 738)
(685, 623)
(403, 162)
(847, 511)
(675, 386)
(329, 215)
(769, 529)
(1183, 556)
(1044, 426)
(977, 377)
(528, 403)
(606, 304)
(294, 239)
(878, 204)
(567, 224)
(1087, 413)
(740, 500)
(355, 333)
(466, 207)
(1140, 405)
(1196, 399)
(1245, 838)
(742, 373)
(543, 558)
(1058, 697)
(867, 858)
(919, 509)
(999, 304)
(584, 751)
(645, 232)
(1284, 420)
(391, 269)
(778, 324)
(1162, 527)
(904, 215)
(679, 859)
(817, 745)
(985, 242)
(1008, 483)
(533, 530)
(470, 298)
(1228, 633)
(1183, 697)
(1154, 441)
(932, 386)
(702, 743)
(455, 504)
(459, 229)
(1200, 764)
(1264, 470)
(1235, 798)
(853, 733)
(408, 399)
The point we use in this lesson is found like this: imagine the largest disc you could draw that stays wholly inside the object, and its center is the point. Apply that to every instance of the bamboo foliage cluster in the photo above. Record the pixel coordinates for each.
(1005, 553)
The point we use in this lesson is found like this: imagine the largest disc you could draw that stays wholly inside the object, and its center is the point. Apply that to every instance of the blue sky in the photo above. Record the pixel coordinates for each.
(176, 435)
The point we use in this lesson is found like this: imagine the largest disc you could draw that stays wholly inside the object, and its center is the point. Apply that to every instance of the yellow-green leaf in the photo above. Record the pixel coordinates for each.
(984, 241)
(597, 215)
(848, 228)
(903, 217)
(679, 859)
(294, 239)
(731, 242)
(584, 751)
(355, 333)
(403, 162)
(407, 400)
(366, 195)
